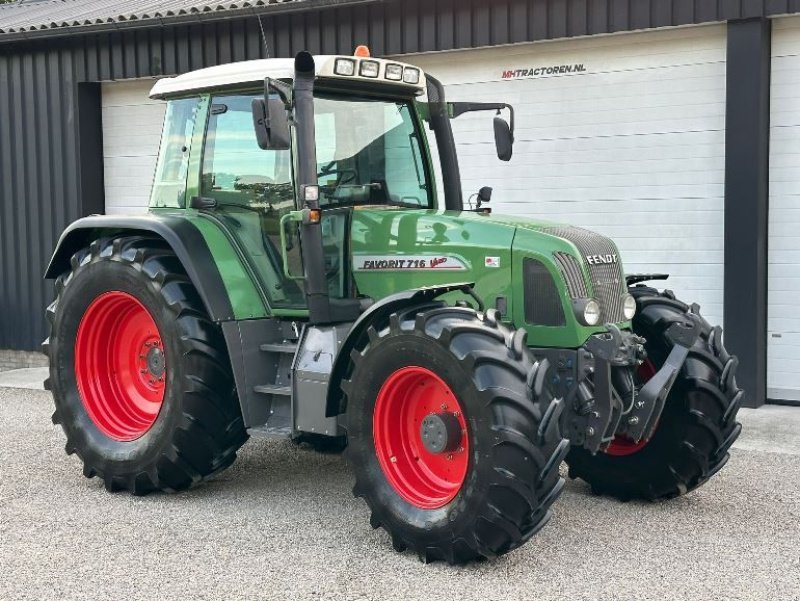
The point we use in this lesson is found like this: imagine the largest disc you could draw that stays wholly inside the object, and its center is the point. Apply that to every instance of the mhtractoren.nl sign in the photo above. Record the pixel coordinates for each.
(543, 71)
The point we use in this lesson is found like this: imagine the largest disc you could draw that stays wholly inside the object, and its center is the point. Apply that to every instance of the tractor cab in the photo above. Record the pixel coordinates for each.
(241, 141)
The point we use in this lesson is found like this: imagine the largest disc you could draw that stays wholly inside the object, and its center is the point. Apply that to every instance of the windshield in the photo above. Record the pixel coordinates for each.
(369, 152)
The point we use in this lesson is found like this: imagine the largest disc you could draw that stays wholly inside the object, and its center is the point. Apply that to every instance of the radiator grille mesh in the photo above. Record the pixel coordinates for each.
(542, 303)
(573, 275)
(606, 278)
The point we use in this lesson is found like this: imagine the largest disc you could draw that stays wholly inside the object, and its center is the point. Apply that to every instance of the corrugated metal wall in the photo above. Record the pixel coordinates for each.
(50, 127)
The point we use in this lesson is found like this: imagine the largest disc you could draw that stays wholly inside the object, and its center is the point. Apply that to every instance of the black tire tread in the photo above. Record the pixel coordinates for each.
(709, 401)
(490, 346)
(211, 429)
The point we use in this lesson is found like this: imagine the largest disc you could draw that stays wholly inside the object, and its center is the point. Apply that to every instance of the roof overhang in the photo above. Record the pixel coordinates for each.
(79, 24)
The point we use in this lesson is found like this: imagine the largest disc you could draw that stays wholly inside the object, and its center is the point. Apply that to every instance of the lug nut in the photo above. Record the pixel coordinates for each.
(633, 420)
(589, 431)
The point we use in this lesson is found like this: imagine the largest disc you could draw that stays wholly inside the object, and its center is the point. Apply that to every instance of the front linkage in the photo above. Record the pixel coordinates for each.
(597, 383)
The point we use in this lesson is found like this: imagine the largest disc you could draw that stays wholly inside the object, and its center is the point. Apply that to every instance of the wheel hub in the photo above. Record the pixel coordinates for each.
(156, 364)
(440, 432)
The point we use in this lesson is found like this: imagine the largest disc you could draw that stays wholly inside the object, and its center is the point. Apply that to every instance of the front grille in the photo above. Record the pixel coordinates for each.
(606, 278)
(572, 273)
(542, 303)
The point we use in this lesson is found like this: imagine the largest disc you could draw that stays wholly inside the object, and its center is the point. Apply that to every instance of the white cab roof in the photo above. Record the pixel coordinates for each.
(254, 72)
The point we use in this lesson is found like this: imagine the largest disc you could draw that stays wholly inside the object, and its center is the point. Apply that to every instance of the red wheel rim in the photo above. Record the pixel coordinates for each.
(622, 446)
(425, 479)
(120, 366)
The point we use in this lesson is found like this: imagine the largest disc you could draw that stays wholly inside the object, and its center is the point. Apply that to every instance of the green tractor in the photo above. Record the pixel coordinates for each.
(299, 275)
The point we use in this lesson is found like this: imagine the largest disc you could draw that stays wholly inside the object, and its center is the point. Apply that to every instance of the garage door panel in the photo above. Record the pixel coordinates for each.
(590, 125)
(643, 220)
(657, 159)
(612, 154)
(694, 193)
(783, 322)
(787, 153)
(653, 92)
(131, 136)
(784, 365)
(553, 177)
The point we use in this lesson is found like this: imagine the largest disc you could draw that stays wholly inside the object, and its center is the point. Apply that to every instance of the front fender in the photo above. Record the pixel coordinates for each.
(183, 237)
(377, 314)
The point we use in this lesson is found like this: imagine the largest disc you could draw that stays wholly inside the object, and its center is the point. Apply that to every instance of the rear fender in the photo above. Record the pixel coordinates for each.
(182, 236)
(377, 315)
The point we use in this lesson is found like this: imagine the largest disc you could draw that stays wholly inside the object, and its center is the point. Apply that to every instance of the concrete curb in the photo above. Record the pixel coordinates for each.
(32, 378)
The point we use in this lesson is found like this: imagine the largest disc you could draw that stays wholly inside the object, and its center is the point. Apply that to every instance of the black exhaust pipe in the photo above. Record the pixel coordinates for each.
(319, 308)
(440, 124)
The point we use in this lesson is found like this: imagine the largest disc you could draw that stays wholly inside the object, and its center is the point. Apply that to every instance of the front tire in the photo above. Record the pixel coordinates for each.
(452, 435)
(697, 426)
(139, 374)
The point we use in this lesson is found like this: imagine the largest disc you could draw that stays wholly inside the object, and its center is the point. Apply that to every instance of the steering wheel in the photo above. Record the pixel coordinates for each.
(331, 168)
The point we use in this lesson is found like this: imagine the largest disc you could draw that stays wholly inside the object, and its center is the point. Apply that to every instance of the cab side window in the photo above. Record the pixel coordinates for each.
(235, 169)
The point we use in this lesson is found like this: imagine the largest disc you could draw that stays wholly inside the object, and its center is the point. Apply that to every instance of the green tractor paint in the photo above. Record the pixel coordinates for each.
(299, 275)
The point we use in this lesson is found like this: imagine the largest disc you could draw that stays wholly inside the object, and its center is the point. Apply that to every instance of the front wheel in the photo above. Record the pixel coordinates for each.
(697, 426)
(139, 374)
(452, 435)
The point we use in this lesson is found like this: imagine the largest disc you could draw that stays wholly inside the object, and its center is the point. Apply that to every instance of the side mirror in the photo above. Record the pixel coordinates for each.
(484, 195)
(271, 121)
(503, 139)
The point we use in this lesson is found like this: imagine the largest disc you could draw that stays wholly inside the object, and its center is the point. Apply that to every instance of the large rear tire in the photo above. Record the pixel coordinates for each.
(488, 485)
(697, 426)
(140, 375)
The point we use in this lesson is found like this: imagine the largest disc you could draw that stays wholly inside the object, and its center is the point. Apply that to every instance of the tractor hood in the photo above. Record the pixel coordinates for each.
(516, 264)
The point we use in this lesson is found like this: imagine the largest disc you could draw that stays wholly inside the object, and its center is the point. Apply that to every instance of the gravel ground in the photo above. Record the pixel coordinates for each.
(281, 524)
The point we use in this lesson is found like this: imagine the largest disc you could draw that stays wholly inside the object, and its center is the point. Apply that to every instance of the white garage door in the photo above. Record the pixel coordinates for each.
(131, 135)
(621, 134)
(783, 322)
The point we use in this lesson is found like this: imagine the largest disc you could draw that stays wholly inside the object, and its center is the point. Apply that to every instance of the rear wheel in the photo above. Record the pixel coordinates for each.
(697, 426)
(139, 374)
(452, 435)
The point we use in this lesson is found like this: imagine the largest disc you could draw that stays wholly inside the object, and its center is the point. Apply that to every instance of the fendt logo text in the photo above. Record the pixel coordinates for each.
(540, 71)
(601, 259)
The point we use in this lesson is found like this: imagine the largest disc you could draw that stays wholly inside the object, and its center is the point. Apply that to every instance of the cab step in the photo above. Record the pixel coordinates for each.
(279, 347)
(270, 431)
(273, 389)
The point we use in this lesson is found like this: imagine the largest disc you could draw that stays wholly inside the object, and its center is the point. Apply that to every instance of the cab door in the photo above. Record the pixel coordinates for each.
(252, 190)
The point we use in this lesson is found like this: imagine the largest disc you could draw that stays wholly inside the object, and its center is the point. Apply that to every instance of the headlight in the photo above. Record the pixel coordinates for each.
(394, 72)
(344, 66)
(587, 310)
(628, 306)
(369, 69)
(411, 75)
